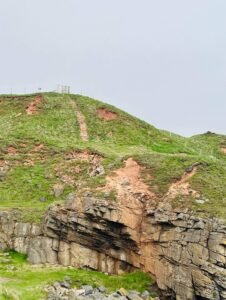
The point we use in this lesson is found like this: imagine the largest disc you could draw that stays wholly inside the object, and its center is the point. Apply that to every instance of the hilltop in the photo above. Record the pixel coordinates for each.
(39, 134)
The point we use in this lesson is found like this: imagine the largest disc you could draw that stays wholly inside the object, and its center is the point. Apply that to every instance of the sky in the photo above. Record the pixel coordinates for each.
(162, 61)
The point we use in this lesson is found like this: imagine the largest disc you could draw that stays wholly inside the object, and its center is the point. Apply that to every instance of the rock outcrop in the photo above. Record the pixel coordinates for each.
(186, 254)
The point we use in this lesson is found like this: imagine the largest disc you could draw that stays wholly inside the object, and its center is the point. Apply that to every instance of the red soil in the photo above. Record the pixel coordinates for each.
(106, 114)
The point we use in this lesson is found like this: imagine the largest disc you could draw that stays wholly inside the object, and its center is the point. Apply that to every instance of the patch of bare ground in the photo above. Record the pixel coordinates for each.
(23, 145)
(107, 115)
(32, 107)
(133, 195)
(182, 186)
(4, 164)
(66, 173)
(29, 163)
(82, 122)
(11, 151)
(127, 180)
(84, 156)
(223, 150)
(77, 163)
(29, 157)
(38, 148)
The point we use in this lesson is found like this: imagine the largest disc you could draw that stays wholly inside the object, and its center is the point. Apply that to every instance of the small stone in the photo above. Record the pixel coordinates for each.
(98, 296)
(67, 278)
(114, 295)
(42, 199)
(101, 289)
(124, 182)
(3, 172)
(145, 295)
(58, 190)
(70, 198)
(98, 170)
(123, 292)
(79, 292)
(103, 209)
(200, 201)
(65, 284)
(88, 289)
(134, 295)
(87, 194)
(199, 225)
(56, 285)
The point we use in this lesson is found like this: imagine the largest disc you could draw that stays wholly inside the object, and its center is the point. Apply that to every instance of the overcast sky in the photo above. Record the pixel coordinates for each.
(161, 60)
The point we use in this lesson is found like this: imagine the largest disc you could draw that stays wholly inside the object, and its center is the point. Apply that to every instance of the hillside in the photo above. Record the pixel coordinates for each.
(85, 187)
(41, 136)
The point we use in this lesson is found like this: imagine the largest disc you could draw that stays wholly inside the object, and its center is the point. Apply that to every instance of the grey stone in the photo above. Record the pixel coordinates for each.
(145, 295)
(67, 278)
(114, 295)
(88, 289)
(56, 285)
(98, 296)
(101, 289)
(42, 199)
(199, 225)
(134, 296)
(65, 284)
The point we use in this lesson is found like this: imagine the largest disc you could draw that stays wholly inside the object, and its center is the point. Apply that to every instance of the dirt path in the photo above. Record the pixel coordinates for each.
(32, 107)
(82, 122)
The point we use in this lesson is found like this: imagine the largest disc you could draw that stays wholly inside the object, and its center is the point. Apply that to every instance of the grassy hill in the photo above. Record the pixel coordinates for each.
(39, 132)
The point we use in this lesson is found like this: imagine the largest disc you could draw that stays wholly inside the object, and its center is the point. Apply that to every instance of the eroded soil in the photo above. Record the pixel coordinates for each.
(106, 114)
(32, 107)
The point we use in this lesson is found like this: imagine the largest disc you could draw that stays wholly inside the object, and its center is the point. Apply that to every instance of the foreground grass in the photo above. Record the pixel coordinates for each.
(28, 282)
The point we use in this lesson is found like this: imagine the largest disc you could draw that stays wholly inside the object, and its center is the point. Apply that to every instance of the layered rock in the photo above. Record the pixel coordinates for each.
(186, 254)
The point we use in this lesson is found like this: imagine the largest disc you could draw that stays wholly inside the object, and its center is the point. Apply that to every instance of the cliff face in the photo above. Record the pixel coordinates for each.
(187, 255)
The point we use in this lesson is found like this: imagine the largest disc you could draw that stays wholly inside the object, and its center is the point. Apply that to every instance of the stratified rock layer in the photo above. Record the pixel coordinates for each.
(186, 254)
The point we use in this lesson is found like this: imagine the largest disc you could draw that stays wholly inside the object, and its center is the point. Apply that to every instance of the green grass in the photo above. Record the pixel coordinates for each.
(127, 130)
(161, 170)
(209, 144)
(164, 169)
(27, 279)
(210, 182)
(164, 155)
